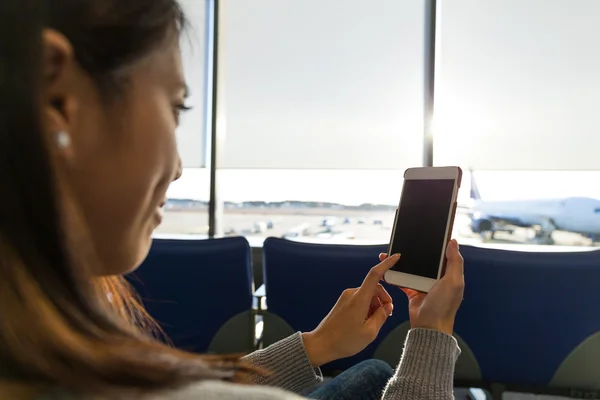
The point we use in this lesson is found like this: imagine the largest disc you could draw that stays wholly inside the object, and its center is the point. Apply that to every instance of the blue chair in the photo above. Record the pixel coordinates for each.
(531, 319)
(200, 291)
(303, 281)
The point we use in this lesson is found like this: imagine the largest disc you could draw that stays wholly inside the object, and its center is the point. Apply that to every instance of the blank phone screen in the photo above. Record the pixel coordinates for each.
(420, 231)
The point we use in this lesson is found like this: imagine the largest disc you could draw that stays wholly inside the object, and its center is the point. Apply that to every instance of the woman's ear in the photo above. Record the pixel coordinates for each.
(58, 97)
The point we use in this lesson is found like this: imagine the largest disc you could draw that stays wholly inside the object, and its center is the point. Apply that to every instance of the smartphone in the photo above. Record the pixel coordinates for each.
(423, 225)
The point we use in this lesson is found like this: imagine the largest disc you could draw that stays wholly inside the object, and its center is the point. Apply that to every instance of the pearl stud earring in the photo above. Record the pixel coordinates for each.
(63, 140)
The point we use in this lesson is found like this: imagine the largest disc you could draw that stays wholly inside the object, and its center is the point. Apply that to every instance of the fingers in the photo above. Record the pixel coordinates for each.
(348, 293)
(410, 293)
(376, 273)
(383, 294)
(382, 256)
(375, 323)
(455, 263)
(389, 308)
(375, 304)
(381, 298)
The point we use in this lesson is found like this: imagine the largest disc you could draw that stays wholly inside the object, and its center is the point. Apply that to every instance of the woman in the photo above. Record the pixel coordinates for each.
(91, 92)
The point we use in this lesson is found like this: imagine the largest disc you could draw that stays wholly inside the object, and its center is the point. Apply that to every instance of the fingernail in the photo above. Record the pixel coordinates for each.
(389, 308)
(455, 244)
(397, 255)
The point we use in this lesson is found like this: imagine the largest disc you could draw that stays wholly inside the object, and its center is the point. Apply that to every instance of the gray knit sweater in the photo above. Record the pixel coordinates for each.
(425, 372)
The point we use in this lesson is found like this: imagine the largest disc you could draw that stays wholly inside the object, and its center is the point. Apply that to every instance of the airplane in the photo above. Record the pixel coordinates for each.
(580, 215)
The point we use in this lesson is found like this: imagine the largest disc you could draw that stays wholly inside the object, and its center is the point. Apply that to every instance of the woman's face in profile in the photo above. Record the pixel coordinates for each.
(122, 156)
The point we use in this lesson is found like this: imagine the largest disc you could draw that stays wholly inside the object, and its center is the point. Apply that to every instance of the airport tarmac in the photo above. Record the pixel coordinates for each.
(344, 226)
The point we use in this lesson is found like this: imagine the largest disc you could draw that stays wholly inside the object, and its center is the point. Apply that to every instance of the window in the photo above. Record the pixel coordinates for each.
(320, 110)
(323, 85)
(517, 88)
(196, 49)
(186, 211)
(318, 205)
(324, 112)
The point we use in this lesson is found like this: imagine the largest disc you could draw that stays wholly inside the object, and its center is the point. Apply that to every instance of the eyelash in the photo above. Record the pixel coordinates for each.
(181, 108)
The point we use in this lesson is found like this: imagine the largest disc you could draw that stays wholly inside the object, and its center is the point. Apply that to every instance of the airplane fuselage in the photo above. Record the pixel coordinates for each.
(573, 214)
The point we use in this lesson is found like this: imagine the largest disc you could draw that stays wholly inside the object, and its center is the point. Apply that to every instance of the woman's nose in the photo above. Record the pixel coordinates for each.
(179, 169)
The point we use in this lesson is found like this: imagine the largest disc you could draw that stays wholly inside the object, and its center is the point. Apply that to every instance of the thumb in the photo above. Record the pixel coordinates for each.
(379, 317)
(455, 266)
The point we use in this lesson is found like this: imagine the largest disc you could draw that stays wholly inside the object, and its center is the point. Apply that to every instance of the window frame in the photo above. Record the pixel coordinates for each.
(215, 42)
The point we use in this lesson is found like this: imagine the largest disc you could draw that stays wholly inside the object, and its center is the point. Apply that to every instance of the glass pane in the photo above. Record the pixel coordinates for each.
(516, 89)
(311, 205)
(320, 84)
(507, 208)
(192, 131)
(517, 85)
(186, 211)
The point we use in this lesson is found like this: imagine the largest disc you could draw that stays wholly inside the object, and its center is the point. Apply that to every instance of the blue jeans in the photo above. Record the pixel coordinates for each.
(364, 381)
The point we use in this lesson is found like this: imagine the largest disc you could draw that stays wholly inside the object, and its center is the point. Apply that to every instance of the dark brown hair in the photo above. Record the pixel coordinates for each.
(57, 326)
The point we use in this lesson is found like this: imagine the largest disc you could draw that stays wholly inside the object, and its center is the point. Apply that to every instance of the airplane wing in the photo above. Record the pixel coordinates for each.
(512, 221)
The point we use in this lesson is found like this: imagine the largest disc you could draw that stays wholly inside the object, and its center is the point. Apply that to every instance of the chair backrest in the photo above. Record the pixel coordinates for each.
(303, 281)
(196, 289)
(524, 313)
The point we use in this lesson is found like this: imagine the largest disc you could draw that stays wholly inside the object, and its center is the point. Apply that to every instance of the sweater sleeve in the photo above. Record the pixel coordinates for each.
(288, 363)
(216, 390)
(426, 370)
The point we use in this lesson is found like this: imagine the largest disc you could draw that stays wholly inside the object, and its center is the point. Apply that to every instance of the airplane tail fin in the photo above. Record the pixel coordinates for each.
(474, 189)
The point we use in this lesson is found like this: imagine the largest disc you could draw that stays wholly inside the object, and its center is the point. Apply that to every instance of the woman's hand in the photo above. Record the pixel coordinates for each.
(355, 320)
(437, 309)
